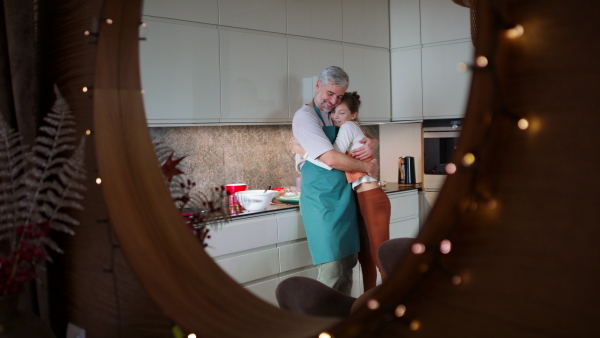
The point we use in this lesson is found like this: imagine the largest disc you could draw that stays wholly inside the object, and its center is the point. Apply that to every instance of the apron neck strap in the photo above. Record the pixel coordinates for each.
(318, 113)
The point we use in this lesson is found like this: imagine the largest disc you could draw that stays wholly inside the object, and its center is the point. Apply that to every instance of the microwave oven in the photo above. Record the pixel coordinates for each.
(440, 138)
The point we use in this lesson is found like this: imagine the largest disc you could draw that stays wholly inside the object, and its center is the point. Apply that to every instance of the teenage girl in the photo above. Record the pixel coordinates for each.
(372, 200)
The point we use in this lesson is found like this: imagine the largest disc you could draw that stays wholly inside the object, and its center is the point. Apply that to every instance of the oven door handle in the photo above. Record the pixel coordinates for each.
(441, 134)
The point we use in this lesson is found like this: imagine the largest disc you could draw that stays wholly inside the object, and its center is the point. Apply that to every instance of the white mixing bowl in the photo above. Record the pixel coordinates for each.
(255, 200)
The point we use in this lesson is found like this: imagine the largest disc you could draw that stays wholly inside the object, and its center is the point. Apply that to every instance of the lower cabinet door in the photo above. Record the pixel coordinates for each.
(265, 290)
(294, 256)
(252, 266)
(407, 228)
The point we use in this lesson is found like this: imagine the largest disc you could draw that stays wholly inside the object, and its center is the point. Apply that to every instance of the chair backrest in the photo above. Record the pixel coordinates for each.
(391, 252)
(311, 297)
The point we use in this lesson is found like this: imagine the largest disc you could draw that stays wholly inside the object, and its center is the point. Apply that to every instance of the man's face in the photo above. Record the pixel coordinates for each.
(327, 97)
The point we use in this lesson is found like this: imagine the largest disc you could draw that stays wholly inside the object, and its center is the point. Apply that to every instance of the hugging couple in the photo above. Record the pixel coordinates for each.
(335, 158)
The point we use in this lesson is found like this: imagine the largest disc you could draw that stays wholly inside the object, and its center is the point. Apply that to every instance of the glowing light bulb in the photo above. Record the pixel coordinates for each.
(86, 33)
(88, 132)
(109, 21)
(143, 91)
(456, 280)
(143, 24)
(461, 67)
(400, 310)
(418, 248)
(191, 335)
(492, 204)
(98, 180)
(515, 32)
(523, 124)
(84, 89)
(445, 246)
(324, 335)
(415, 325)
(481, 61)
(450, 168)
(468, 159)
(373, 304)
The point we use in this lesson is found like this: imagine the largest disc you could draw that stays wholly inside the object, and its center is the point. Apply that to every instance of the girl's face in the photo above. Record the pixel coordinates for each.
(341, 114)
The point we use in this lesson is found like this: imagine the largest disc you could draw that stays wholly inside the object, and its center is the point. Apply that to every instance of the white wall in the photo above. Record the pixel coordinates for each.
(397, 140)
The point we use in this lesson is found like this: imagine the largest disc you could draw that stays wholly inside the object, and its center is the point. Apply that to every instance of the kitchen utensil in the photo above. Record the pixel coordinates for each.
(231, 190)
(269, 188)
(255, 200)
(406, 170)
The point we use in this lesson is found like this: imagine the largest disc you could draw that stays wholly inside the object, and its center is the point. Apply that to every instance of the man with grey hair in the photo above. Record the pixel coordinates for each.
(327, 202)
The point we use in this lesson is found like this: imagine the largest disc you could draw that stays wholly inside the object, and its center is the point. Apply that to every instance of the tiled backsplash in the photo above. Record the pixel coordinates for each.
(217, 155)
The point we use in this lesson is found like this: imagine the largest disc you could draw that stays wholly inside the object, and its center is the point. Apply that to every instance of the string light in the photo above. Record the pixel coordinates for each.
(515, 32)
(142, 91)
(450, 168)
(481, 61)
(325, 335)
(373, 304)
(88, 132)
(445, 246)
(462, 67)
(84, 89)
(191, 335)
(86, 33)
(456, 280)
(492, 204)
(400, 310)
(468, 159)
(523, 124)
(109, 21)
(98, 180)
(418, 248)
(415, 325)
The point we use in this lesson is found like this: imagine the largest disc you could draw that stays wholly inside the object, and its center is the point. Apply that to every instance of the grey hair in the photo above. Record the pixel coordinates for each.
(334, 75)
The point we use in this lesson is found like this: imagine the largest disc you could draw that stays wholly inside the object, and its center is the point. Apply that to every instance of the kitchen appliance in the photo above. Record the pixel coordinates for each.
(440, 138)
(406, 171)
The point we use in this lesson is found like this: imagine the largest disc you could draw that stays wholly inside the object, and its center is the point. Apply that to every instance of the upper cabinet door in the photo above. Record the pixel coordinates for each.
(180, 76)
(407, 93)
(443, 20)
(264, 15)
(369, 72)
(405, 23)
(306, 59)
(315, 18)
(254, 81)
(445, 90)
(366, 22)
(206, 11)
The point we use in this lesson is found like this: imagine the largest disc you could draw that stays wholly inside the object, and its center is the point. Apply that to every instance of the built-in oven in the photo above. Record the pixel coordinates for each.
(440, 138)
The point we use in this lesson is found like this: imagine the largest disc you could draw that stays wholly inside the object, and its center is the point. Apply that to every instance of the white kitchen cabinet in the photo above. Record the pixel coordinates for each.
(264, 15)
(265, 290)
(407, 92)
(254, 81)
(293, 256)
(404, 219)
(206, 11)
(251, 266)
(306, 59)
(241, 235)
(426, 201)
(369, 72)
(445, 90)
(366, 22)
(443, 20)
(405, 23)
(315, 18)
(290, 227)
(180, 73)
(406, 228)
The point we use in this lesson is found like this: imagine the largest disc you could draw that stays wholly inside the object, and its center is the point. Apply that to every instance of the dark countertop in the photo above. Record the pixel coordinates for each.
(390, 187)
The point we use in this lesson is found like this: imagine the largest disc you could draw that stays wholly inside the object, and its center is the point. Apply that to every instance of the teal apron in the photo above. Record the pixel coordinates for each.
(328, 209)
